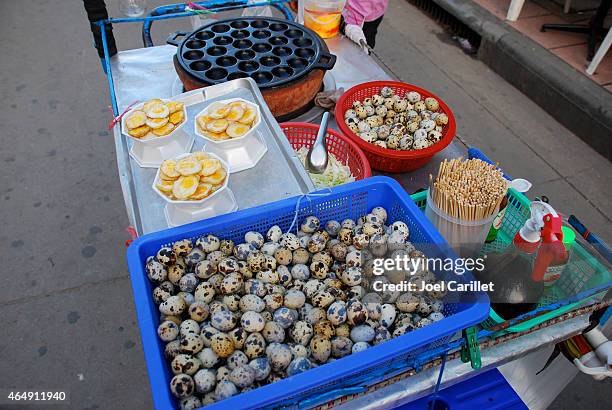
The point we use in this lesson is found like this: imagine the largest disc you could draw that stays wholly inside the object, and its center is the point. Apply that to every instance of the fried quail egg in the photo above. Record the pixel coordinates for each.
(165, 130)
(236, 130)
(156, 110)
(137, 119)
(235, 113)
(218, 110)
(249, 117)
(216, 178)
(139, 132)
(218, 125)
(155, 123)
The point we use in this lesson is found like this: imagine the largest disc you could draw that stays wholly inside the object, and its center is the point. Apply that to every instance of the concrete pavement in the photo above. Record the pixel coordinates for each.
(66, 298)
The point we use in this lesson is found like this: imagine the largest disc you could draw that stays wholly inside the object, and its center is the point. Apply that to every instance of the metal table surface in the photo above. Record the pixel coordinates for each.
(149, 73)
(145, 73)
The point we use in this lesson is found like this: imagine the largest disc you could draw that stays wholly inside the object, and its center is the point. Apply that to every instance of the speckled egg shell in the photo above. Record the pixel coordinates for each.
(388, 315)
(290, 241)
(208, 243)
(300, 256)
(362, 333)
(190, 403)
(168, 331)
(283, 256)
(189, 326)
(269, 248)
(252, 302)
(196, 255)
(254, 346)
(432, 104)
(184, 363)
(242, 376)
(174, 305)
(225, 389)
(256, 261)
(205, 381)
(352, 276)
(407, 302)
(222, 345)
(241, 252)
(336, 313)
(156, 271)
(160, 294)
(205, 269)
(208, 357)
(204, 292)
(222, 374)
(255, 287)
(341, 346)
(191, 343)
(285, 316)
(273, 332)
(279, 356)
(300, 271)
(360, 347)
(182, 385)
(298, 365)
(252, 322)
(223, 320)
(320, 348)
(261, 367)
(301, 332)
(356, 313)
(172, 349)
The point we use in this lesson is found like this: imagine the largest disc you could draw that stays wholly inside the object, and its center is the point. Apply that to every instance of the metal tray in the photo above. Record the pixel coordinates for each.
(280, 168)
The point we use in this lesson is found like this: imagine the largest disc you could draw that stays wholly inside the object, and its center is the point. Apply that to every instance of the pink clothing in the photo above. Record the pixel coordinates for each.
(360, 11)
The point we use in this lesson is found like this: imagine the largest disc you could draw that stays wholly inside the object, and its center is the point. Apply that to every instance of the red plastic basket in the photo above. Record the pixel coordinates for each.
(390, 160)
(301, 134)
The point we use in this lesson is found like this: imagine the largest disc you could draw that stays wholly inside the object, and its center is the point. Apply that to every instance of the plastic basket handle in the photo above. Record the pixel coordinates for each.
(173, 39)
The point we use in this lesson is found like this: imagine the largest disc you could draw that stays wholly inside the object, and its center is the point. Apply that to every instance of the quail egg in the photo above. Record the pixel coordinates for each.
(205, 381)
(168, 331)
(174, 305)
(350, 113)
(208, 358)
(298, 365)
(184, 363)
(225, 389)
(320, 348)
(156, 271)
(182, 386)
(255, 345)
(432, 104)
(242, 376)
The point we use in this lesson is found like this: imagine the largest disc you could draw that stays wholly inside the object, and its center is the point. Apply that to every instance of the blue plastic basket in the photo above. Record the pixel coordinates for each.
(345, 201)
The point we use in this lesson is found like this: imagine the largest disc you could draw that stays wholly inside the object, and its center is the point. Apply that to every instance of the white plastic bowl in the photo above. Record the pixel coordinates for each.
(192, 202)
(250, 132)
(150, 152)
(240, 153)
(180, 212)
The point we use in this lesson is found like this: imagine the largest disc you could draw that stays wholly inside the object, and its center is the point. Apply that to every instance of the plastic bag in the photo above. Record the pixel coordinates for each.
(262, 11)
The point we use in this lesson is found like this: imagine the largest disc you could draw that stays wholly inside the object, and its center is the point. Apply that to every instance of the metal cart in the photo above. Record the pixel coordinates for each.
(129, 72)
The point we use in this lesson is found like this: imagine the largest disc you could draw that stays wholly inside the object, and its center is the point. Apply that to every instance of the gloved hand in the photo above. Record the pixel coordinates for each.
(355, 33)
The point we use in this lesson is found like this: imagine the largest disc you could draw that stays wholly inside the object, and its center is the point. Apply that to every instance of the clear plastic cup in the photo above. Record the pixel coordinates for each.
(465, 237)
(323, 16)
(132, 8)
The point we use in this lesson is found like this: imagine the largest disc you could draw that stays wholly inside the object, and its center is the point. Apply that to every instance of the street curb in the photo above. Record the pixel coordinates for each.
(570, 97)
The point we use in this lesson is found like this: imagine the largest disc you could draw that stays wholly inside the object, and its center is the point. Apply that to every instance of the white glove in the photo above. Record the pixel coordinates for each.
(355, 33)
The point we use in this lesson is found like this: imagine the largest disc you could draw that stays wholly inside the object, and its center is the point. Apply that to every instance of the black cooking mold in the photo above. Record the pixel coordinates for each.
(271, 51)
